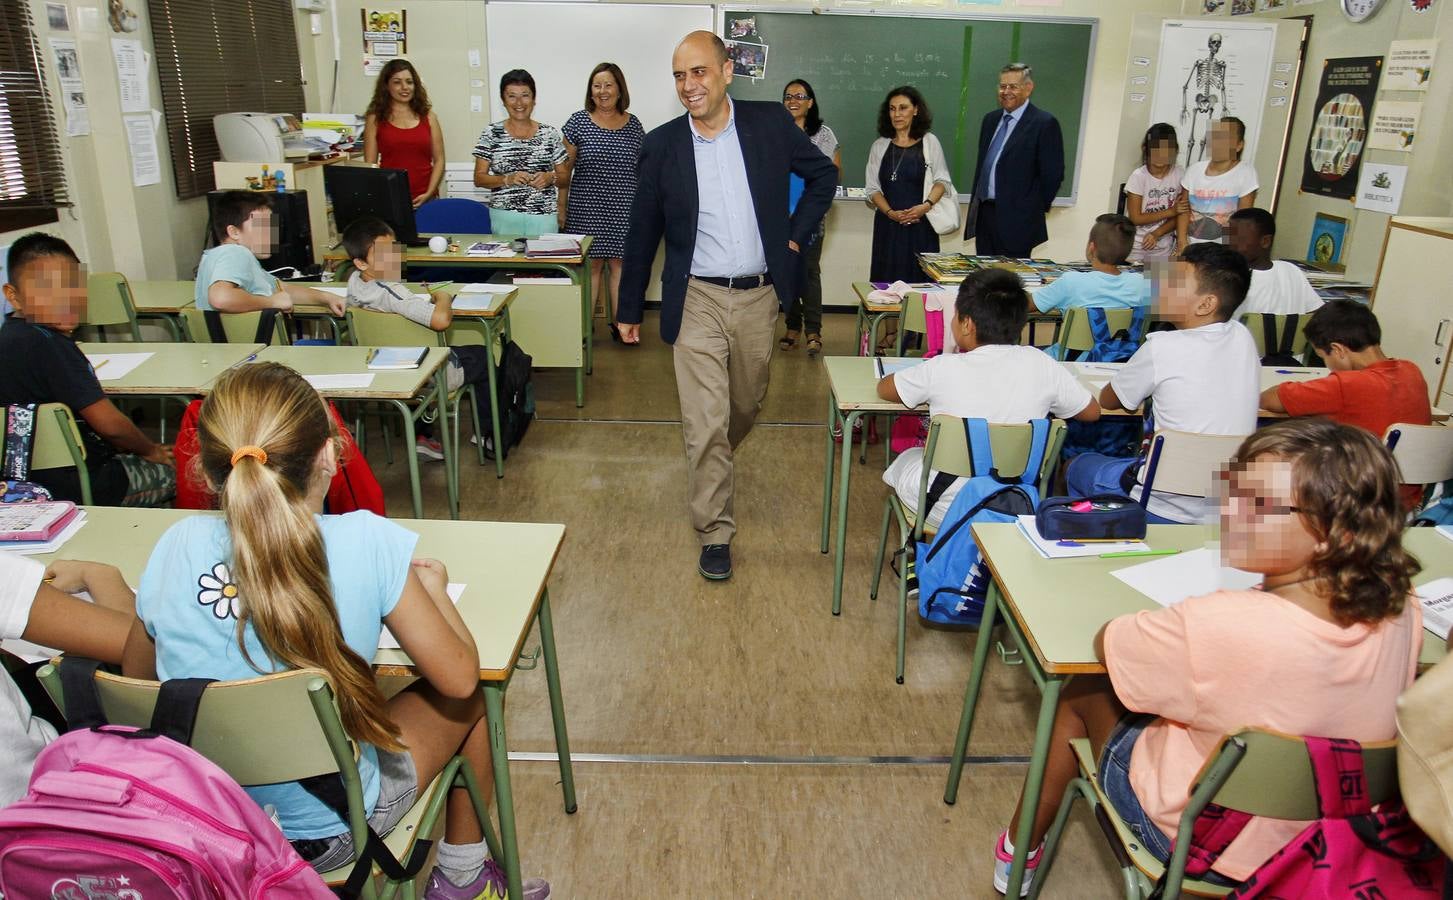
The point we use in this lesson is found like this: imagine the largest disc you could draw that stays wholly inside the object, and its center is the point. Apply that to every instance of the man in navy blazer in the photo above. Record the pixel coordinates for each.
(1020, 168)
(715, 183)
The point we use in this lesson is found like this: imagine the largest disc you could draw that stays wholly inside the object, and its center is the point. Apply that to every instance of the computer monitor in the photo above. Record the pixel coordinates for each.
(359, 191)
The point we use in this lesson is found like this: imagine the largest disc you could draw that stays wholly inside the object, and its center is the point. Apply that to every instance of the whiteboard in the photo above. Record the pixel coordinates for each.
(559, 43)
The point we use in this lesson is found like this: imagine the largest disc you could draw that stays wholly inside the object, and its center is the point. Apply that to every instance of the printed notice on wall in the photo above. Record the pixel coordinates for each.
(131, 76)
(73, 91)
(1381, 187)
(1395, 125)
(145, 158)
(1409, 65)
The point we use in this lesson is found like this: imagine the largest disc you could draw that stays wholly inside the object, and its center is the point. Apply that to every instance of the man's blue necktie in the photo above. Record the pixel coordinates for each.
(985, 189)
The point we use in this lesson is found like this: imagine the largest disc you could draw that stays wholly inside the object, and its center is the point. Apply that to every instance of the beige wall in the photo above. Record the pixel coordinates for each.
(1429, 190)
(441, 34)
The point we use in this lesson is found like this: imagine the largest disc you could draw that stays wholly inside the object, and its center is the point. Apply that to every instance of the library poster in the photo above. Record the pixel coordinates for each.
(1339, 131)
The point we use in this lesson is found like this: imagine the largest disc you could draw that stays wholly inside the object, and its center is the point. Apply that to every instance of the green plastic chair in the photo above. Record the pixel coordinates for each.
(286, 727)
(370, 328)
(240, 328)
(1254, 771)
(1074, 330)
(108, 303)
(948, 451)
(1256, 323)
(58, 444)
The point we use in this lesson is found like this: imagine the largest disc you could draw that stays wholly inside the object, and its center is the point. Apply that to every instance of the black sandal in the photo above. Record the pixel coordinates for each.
(615, 333)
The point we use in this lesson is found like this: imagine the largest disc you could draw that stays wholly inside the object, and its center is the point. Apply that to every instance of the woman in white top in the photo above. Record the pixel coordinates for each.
(906, 175)
(801, 101)
(1216, 188)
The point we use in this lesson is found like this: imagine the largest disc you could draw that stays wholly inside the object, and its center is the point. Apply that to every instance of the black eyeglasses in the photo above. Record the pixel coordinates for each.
(795, 97)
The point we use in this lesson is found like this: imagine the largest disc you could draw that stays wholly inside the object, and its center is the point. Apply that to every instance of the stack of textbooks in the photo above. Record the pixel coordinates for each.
(554, 246)
(396, 357)
(489, 248)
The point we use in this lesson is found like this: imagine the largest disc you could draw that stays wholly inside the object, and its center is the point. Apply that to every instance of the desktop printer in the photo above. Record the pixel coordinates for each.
(261, 137)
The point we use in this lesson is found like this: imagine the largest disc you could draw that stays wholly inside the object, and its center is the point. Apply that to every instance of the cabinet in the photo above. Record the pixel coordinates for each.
(1413, 298)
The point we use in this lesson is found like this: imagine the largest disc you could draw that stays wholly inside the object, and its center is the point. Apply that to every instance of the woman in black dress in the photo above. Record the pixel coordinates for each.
(906, 175)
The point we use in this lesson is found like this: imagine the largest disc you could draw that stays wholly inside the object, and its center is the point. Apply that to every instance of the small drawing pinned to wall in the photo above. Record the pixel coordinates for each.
(743, 28)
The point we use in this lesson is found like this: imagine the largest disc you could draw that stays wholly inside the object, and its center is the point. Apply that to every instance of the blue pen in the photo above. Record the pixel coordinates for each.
(1068, 544)
(1288, 371)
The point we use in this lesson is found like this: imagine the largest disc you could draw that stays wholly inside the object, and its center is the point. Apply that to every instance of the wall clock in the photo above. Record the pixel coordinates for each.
(1360, 10)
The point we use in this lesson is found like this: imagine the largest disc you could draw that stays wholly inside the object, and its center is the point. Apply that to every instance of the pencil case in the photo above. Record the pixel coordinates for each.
(1103, 517)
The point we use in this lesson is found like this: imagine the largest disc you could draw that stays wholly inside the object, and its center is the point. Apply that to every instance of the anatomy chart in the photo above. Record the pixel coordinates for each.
(1207, 70)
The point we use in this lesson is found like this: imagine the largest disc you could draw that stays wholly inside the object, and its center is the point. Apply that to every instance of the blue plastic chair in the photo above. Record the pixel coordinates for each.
(452, 215)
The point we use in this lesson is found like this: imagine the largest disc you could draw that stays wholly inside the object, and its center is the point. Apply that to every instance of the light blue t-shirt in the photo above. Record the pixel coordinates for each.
(189, 604)
(234, 263)
(1079, 289)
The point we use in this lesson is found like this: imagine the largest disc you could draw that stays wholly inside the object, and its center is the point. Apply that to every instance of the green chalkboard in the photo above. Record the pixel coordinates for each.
(853, 60)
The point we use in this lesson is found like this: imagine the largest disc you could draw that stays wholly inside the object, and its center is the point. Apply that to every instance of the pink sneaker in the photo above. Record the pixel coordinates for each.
(489, 885)
(1003, 860)
(428, 448)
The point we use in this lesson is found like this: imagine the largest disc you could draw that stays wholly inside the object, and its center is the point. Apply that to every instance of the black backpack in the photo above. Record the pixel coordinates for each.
(1279, 349)
(515, 399)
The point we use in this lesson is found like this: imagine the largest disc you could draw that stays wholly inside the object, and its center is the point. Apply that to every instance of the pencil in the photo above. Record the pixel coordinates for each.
(1125, 553)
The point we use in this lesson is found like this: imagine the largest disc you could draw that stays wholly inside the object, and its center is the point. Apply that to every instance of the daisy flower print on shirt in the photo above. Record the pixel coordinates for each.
(219, 591)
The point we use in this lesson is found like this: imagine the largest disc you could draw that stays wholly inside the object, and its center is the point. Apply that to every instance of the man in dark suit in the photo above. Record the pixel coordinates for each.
(714, 182)
(1021, 164)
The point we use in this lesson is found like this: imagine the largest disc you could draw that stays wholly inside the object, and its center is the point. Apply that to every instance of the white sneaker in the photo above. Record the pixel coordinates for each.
(1003, 860)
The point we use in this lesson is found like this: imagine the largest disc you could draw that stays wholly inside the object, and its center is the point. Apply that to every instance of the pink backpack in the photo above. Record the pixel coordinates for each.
(1351, 850)
(118, 813)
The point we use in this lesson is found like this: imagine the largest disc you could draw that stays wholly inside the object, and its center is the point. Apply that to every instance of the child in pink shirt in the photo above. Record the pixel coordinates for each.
(1323, 648)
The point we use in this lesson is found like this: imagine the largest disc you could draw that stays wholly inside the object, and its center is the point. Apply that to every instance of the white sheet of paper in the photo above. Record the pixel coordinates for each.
(386, 639)
(132, 77)
(111, 366)
(1056, 550)
(474, 302)
(145, 157)
(1170, 579)
(346, 382)
(1437, 598)
(484, 287)
(339, 291)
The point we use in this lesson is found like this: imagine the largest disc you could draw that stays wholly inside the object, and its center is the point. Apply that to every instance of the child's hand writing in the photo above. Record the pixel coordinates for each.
(68, 575)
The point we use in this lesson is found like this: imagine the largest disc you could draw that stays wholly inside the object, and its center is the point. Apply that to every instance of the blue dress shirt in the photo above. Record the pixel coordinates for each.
(728, 242)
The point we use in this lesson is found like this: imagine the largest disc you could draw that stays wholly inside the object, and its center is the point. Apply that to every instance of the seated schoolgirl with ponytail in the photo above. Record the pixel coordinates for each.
(273, 585)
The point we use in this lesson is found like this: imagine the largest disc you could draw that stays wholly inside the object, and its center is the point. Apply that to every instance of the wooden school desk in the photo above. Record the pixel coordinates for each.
(396, 387)
(872, 313)
(1052, 610)
(551, 338)
(164, 302)
(174, 370)
(506, 567)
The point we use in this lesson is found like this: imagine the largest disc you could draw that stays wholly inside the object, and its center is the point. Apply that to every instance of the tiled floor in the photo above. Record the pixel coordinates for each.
(657, 662)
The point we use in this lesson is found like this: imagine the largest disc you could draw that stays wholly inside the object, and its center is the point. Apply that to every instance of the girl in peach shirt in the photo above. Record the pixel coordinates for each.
(1323, 648)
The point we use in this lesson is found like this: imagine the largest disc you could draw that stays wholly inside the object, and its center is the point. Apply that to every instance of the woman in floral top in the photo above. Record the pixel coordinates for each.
(523, 163)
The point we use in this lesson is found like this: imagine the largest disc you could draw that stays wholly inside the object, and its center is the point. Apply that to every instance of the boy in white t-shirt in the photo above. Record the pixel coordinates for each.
(1202, 379)
(993, 379)
(35, 604)
(1277, 286)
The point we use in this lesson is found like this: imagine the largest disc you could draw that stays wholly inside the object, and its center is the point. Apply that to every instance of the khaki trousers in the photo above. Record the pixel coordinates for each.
(723, 356)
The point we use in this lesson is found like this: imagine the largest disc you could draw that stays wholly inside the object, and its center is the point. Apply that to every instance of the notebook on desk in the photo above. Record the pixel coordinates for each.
(396, 357)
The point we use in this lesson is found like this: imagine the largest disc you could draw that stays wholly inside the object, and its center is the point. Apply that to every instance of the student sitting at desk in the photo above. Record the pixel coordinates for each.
(40, 363)
(992, 379)
(1365, 388)
(47, 615)
(1202, 379)
(1277, 286)
(1111, 240)
(273, 585)
(230, 279)
(1323, 648)
(374, 284)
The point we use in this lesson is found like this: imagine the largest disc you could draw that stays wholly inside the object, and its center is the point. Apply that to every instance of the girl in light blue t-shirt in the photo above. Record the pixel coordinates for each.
(309, 590)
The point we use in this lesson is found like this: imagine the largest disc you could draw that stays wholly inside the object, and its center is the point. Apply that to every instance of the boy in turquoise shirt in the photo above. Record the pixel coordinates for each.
(230, 278)
(1112, 237)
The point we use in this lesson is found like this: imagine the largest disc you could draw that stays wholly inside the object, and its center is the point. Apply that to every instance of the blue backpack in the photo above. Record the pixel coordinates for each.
(1120, 436)
(1439, 512)
(951, 582)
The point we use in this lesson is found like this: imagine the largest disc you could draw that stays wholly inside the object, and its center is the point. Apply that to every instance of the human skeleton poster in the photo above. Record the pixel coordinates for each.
(1207, 70)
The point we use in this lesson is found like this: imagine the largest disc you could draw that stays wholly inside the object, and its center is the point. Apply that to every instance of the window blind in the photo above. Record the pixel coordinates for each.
(32, 172)
(220, 56)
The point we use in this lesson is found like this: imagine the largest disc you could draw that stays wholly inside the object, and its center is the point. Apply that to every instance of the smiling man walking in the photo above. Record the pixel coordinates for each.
(714, 182)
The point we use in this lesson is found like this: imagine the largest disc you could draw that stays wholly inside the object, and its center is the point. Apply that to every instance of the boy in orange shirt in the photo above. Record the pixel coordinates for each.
(1365, 388)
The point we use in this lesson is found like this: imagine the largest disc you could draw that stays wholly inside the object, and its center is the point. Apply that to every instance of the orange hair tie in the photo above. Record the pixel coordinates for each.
(255, 452)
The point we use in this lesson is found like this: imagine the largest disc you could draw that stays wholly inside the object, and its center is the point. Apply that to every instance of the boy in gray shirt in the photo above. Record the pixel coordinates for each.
(375, 285)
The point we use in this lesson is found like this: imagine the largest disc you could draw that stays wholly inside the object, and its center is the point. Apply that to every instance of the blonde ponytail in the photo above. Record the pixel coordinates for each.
(278, 561)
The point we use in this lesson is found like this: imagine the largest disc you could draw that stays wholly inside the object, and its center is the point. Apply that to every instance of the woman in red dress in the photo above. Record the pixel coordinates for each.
(400, 131)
